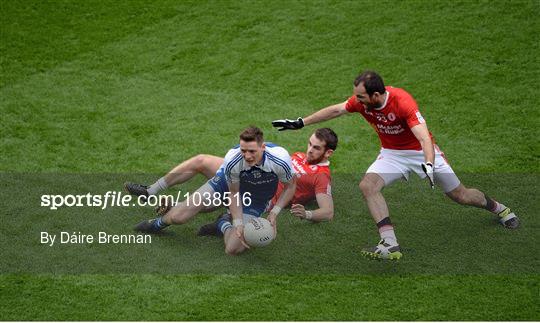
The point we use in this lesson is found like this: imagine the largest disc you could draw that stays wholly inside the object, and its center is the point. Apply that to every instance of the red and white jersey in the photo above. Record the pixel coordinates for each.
(310, 181)
(394, 120)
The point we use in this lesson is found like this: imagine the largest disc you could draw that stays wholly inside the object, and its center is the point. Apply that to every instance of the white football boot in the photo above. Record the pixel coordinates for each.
(508, 219)
(383, 250)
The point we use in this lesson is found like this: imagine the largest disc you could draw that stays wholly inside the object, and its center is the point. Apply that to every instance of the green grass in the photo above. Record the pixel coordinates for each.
(98, 92)
(254, 297)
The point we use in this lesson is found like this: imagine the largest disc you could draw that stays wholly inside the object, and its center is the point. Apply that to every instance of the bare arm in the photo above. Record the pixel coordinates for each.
(236, 205)
(325, 212)
(286, 196)
(325, 114)
(237, 212)
(421, 133)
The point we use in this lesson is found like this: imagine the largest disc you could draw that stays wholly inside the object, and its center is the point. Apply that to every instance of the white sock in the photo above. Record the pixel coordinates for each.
(388, 235)
(500, 207)
(158, 186)
(495, 206)
(226, 225)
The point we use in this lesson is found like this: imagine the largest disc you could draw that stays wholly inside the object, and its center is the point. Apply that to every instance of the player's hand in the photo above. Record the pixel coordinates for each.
(272, 217)
(299, 211)
(240, 235)
(287, 124)
(428, 170)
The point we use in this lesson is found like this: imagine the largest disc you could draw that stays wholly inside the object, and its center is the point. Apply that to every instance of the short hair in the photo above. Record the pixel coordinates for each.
(328, 136)
(252, 133)
(373, 82)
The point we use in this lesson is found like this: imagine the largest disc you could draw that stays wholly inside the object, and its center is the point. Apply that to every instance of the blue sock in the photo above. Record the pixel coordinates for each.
(160, 224)
(223, 225)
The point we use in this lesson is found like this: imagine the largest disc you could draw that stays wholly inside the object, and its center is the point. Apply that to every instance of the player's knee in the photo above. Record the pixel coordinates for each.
(232, 251)
(199, 162)
(459, 195)
(367, 188)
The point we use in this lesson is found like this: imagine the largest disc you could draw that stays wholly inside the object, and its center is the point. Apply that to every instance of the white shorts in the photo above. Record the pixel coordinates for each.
(393, 164)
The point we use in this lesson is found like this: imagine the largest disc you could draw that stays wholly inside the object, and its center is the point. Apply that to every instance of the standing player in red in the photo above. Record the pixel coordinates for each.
(313, 179)
(407, 146)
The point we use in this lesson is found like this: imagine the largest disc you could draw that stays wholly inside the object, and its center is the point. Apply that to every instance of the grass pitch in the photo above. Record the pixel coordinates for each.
(96, 93)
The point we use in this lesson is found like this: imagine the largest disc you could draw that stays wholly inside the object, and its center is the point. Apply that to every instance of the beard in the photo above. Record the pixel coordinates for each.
(373, 106)
(314, 161)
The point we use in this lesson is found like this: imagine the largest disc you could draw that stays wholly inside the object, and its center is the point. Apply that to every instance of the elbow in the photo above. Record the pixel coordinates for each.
(330, 212)
(330, 216)
(426, 140)
(336, 112)
(327, 215)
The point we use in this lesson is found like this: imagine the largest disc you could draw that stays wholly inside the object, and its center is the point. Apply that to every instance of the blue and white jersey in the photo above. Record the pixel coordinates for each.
(261, 181)
(275, 160)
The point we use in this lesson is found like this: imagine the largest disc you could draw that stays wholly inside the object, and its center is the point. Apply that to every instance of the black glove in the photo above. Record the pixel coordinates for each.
(287, 124)
(428, 170)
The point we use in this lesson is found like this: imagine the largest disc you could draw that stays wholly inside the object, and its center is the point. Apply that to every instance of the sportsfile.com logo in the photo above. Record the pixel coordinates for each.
(109, 199)
(119, 199)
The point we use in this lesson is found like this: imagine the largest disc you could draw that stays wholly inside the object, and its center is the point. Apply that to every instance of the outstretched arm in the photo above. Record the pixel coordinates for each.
(325, 114)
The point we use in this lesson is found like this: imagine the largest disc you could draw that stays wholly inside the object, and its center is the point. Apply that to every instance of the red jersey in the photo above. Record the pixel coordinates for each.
(311, 180)
(393, 122)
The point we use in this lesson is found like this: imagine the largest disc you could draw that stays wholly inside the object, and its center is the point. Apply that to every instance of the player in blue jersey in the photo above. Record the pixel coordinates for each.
(248, 179)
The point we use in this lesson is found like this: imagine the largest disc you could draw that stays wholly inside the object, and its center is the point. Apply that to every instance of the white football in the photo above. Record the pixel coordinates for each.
(258, 232)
